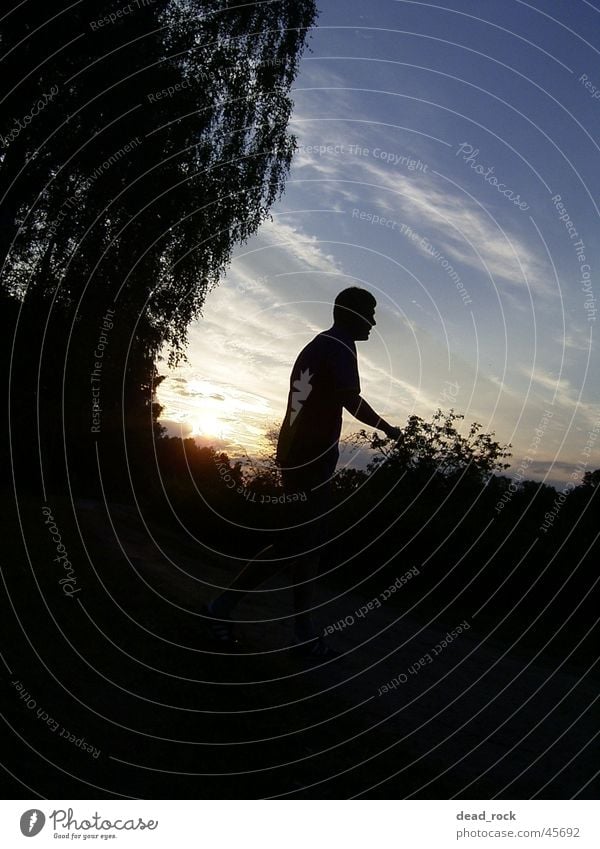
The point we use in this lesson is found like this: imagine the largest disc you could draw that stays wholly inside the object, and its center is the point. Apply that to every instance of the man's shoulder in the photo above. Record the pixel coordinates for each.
(327, 346)
(335, 339)
(319, 343)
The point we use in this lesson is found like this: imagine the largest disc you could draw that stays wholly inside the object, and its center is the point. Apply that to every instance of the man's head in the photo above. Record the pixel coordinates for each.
(354, 311)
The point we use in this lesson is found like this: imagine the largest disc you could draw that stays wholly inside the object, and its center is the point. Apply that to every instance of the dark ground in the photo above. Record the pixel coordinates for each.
(127, 665)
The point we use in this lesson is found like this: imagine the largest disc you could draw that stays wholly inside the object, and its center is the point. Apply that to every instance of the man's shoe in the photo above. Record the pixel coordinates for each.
(316, 649)
(220, 630)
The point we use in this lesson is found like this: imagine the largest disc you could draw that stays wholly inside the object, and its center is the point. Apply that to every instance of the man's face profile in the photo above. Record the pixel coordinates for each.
(360, 324)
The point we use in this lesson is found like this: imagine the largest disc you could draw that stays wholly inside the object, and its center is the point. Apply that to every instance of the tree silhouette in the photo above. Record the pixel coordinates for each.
(163, 144)
(203, 165)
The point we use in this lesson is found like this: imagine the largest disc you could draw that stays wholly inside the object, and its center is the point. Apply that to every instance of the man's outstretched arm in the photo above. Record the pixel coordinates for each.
(362, 411)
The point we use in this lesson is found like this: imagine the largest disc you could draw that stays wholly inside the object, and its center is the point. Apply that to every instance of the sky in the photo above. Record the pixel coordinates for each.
(448, 162)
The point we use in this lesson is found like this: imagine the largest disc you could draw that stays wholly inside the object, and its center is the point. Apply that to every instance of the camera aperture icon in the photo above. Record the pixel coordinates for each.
(32, 822)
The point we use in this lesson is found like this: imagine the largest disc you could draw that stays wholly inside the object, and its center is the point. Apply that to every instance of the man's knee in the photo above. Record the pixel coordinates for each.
(306, 565)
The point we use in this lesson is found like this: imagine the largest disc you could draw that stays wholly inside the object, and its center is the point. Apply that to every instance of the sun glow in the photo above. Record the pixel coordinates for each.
(216, 414)
(208, 424)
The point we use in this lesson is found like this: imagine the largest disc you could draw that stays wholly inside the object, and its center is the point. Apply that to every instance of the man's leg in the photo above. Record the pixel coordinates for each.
(314, 483)
(274, 558)
(256, 573)
(305, 570)
(268, 562)
(259, 569)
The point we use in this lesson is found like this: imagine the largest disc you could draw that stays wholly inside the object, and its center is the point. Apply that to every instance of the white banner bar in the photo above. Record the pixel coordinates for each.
(304, 823)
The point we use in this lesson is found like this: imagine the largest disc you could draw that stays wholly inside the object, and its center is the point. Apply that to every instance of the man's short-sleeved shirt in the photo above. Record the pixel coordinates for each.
(311, 429)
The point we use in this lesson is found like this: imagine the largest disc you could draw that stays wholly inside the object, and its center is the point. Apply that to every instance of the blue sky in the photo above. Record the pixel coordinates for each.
(433, 145)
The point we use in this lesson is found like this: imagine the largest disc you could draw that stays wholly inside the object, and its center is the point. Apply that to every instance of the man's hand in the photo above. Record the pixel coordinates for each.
(393, 433)
(359, 408)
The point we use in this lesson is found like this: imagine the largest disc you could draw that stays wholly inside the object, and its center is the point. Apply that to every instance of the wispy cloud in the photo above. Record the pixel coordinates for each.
(563, 394)
(300, 246)
(464, 230)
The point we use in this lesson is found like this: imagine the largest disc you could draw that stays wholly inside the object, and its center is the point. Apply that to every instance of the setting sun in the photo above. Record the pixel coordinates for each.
(208, 424)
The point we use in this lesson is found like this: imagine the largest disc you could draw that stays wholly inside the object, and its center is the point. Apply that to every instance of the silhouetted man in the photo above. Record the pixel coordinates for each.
(323, 382)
